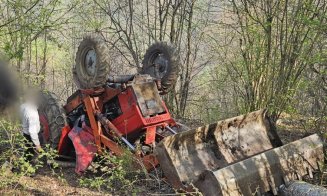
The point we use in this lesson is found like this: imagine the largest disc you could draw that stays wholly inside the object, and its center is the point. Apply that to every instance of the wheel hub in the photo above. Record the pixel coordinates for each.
(90, 62)
(161, 64)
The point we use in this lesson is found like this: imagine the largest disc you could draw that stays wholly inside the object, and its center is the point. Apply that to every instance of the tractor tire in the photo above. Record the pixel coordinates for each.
(167, 60)
(92, 63)
(52, 118)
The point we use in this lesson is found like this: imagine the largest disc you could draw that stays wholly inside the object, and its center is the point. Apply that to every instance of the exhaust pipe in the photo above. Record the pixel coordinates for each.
(120, 78)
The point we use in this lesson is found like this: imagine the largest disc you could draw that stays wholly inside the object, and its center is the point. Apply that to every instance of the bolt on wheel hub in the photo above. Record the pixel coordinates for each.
(90, 62)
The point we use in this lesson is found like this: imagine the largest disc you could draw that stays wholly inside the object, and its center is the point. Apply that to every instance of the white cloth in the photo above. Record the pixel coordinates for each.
(30, 121)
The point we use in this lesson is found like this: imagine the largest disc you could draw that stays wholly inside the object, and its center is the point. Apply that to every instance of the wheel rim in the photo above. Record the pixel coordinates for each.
(90, 62)
(159, 64)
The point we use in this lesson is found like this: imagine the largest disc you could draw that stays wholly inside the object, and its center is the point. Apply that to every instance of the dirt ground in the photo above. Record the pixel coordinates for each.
(45, 183)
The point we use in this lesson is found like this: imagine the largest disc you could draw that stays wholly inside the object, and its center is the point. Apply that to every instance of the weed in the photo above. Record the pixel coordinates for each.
(14, 164)
(112, 173)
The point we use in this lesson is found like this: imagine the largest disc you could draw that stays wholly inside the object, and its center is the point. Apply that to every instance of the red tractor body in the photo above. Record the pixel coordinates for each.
(132, 112)
(112, 112)
(131, 120)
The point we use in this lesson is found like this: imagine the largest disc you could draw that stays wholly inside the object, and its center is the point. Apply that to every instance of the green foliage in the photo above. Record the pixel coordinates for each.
(13, 53)
(272, 56)
(108, 173)
(12, 160)
(112, 173)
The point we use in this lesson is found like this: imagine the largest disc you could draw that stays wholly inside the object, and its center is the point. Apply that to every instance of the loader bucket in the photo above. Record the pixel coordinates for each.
(189, 157)
(266, 171)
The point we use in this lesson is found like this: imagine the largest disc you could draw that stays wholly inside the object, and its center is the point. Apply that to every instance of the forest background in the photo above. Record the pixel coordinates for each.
(236, 55)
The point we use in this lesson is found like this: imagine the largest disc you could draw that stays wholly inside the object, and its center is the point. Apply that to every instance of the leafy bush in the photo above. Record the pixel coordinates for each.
(13, 164)
(112, 173)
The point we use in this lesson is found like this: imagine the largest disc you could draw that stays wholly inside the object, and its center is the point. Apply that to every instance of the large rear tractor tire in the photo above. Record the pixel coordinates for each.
(161, 61)
(91, 63)
(52, 118)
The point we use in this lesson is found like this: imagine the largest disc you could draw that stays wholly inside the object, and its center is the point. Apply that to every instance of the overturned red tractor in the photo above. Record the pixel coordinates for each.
(108, 110)
(237, 156)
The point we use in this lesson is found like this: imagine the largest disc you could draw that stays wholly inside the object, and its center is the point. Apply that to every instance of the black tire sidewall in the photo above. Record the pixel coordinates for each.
(83, 79)
(170, 77)
(52, 110)
(85, 46)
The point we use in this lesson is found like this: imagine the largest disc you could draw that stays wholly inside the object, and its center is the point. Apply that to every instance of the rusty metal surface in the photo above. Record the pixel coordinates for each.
(73, 102)
(147, 96)
(266, 171)
(90, 106)
(183, 157)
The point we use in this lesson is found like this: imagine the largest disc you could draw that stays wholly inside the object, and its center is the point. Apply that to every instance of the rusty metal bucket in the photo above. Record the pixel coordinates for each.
(235, 156)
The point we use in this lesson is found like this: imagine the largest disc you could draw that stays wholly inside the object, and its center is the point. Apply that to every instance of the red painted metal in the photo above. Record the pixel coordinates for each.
(83, 140)
(150, 161)
(63, 139)
(45, 125)
(131, 120)
(150, 134)
(111, 145)
(73, 101)
(109, 93)
(95, 125)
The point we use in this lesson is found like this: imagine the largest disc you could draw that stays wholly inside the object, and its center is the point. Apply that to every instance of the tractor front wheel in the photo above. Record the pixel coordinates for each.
(161, 61)
(91, 63)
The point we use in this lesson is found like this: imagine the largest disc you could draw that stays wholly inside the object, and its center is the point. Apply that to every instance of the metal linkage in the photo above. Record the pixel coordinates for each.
(109, 126)
(171, 130)
(120, 78)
